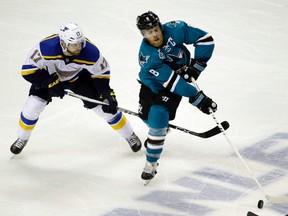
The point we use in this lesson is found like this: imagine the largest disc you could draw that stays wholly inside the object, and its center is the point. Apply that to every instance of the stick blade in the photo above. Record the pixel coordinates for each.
(216, 130)
(225, 125)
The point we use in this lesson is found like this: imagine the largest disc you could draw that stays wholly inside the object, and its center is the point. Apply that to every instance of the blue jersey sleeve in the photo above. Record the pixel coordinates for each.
(187, 34)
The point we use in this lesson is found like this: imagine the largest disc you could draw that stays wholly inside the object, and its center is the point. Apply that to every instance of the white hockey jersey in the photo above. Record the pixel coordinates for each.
(47, 55)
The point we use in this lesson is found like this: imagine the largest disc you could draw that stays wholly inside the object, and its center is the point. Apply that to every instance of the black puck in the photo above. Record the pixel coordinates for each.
(260, 204)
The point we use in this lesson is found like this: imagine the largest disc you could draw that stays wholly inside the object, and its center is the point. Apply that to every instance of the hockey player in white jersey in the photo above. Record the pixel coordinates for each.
(68, 60)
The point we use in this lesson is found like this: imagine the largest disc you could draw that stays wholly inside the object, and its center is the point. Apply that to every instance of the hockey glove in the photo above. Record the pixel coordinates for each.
(194, 70)
(203, 103)
(54, 86)
(109, 97)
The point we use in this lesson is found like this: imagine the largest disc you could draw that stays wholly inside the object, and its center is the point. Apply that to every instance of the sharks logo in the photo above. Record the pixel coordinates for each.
(174, 23)
(143, 59)
(179, 59)
(176, 61)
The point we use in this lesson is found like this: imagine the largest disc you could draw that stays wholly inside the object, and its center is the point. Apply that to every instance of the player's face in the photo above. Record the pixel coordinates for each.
(74, 48)
(154, 36)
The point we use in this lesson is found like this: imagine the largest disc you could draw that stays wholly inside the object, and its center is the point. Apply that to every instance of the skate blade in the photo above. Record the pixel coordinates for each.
(147, 182)
(140, 152)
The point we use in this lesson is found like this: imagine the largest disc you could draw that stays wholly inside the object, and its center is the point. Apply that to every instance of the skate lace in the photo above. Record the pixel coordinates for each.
(133, 140)
(20, 144)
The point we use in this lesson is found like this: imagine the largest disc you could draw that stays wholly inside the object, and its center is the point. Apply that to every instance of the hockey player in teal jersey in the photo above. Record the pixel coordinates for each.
(68, 60)
(166, 71)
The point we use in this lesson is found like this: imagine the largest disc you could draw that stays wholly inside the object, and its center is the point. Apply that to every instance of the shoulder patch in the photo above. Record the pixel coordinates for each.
(143, 59)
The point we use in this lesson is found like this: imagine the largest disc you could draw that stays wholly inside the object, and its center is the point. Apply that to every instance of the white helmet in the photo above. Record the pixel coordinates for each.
(71, 33)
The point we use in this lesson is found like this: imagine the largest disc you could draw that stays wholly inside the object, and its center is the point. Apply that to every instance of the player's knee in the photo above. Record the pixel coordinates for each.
(33, 107)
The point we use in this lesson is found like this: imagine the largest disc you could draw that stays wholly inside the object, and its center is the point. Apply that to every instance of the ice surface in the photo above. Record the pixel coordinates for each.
(75, 165)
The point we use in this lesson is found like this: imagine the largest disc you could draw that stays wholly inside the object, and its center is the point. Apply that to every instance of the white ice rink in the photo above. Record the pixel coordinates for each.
(75, 165)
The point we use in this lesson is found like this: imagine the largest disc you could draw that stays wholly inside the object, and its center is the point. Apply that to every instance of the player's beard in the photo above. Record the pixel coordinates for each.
(157, 41)
(73, 53)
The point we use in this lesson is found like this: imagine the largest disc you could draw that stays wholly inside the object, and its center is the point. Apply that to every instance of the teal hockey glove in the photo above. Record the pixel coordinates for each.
(203, 103)
(194, 70)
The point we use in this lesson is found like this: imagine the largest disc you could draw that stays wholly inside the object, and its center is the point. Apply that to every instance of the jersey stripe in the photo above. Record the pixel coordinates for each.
(83, 62)
(53, 57)
(171, 83)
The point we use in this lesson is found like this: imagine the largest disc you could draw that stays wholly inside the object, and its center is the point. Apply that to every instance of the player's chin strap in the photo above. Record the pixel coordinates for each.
(212, 132)
(280, 199)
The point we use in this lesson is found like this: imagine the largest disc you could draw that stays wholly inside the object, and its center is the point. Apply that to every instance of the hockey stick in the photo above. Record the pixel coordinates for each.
(212, 132)
(272, 199)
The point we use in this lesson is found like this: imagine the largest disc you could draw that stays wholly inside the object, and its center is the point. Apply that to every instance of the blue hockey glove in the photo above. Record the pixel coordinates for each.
(203, 103)
(194, 70)
(54, 86)
(110, 98)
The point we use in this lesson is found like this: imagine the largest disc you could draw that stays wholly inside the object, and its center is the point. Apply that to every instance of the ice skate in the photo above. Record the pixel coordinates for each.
(134, 142)
(149, 172)
(18, 146)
